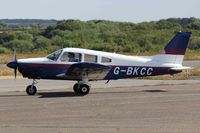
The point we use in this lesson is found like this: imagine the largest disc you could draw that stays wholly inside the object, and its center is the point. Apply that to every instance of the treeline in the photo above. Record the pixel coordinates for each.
(25, 23)
(99, 35)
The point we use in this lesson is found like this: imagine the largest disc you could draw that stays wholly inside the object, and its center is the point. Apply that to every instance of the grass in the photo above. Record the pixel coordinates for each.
(5, 71)
(5, 58)
(192, 55)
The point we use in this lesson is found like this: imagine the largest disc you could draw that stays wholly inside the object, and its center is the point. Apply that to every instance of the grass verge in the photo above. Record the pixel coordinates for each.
(5, 58)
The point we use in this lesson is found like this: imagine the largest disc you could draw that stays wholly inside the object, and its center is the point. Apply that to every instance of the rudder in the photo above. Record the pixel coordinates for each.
(179, 44)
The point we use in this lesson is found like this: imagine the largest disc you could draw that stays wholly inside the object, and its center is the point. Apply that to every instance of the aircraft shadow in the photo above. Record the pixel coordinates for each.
(154, 91)
(72, 94)
(13, 95)
(128, 92)
(57, 94)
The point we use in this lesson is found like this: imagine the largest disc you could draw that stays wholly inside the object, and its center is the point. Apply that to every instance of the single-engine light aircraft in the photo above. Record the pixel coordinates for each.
(83, 65)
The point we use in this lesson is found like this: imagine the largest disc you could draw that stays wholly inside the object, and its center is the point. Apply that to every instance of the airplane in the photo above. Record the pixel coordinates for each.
(84, 65)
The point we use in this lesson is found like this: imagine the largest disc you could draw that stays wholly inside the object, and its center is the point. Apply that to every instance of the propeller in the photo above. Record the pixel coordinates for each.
(14, 56)
(15, 59)
(14, 64)
(15, 71)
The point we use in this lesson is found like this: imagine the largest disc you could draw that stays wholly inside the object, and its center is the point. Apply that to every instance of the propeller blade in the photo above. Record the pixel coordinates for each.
(15, 64)
(15, 72)
(14, 56)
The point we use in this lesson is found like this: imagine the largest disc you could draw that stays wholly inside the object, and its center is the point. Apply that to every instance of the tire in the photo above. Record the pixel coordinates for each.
(84, 89)
(31, 90)
(75, 88)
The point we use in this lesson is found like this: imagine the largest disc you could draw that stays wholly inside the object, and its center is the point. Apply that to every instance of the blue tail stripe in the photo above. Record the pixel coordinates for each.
(179, 42)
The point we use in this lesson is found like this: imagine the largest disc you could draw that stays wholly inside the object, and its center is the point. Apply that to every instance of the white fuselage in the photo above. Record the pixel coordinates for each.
(161, 60)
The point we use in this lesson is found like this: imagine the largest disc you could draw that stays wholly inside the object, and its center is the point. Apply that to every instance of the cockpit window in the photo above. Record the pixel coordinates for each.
(70, 57)
(55, 55)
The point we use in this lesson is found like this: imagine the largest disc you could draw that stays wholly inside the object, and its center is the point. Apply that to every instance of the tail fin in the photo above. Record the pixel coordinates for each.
(178, 45)
(175, 50)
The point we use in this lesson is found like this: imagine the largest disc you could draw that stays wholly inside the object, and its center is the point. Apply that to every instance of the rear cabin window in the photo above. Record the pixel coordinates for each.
(70, 57)
(105, 60)
(90, 58)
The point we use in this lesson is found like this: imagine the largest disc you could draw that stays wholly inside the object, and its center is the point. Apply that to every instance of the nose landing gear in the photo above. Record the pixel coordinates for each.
(31, 89)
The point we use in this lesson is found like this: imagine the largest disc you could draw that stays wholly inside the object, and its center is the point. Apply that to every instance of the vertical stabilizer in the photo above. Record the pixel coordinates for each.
(179, 44)
(175, 50)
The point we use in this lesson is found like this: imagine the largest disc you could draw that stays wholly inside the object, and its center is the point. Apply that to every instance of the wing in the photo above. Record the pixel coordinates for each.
(92, 71)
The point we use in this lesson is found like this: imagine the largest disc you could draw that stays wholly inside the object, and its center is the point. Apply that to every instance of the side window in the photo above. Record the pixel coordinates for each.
(74, 57)
(90, 58)
(71, 57)
(105, 60)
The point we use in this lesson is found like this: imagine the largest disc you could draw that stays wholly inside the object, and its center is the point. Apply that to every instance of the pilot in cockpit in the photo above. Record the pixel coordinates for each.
(71, 57)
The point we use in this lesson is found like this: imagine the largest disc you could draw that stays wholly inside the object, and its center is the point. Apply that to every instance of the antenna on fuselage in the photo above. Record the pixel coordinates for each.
(115, 52)
(138, 53)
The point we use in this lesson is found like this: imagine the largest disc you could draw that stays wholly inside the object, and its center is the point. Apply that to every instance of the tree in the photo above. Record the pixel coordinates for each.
(2, 25)
(194, 43)
(23, 36)
(41, 43)
(70, 25)
(21, 46)
(7, 36)
(3, 50)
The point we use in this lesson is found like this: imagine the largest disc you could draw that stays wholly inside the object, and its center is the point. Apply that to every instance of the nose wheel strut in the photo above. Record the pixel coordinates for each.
(31, 89)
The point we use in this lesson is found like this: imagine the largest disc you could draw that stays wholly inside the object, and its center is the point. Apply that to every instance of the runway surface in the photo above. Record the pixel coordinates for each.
(120, 106)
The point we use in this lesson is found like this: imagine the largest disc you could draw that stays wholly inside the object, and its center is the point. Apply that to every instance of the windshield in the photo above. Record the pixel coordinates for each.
(55, 55)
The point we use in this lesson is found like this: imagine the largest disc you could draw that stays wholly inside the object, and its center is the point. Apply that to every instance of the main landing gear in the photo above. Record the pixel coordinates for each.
(81, 88)
(31, 89)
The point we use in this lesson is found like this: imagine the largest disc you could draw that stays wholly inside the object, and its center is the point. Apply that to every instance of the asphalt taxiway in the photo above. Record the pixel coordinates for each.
(120, 106)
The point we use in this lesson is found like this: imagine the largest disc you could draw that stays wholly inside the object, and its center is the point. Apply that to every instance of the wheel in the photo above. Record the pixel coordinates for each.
(31, 90)
(84, 89)
(75, 88)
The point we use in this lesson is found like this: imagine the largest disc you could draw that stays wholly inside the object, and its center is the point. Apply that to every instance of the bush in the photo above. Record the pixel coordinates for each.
(194, 43)
(21, 46)
(3, 50)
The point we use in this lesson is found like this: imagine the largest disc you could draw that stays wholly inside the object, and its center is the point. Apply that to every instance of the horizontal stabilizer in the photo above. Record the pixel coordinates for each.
(180, 68)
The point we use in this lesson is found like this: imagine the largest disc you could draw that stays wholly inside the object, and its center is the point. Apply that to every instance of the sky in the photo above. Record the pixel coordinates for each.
(115, 10)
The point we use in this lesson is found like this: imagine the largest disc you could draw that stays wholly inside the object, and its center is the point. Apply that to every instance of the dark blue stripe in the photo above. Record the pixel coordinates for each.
(178, 44)
(50, 71)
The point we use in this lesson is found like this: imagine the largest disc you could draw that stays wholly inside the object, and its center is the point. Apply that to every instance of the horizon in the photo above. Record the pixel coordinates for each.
(97, 19)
